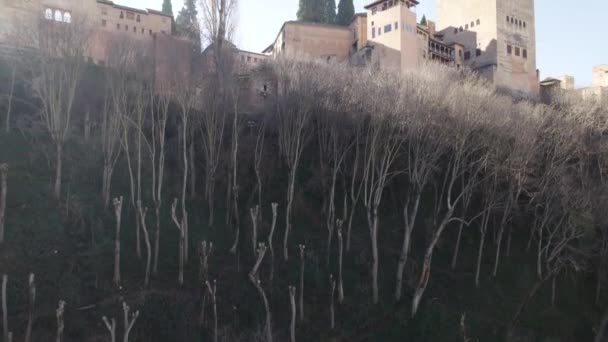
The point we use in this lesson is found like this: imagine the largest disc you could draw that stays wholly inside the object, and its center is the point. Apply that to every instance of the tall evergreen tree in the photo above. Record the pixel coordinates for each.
(187, 23)
(313, 11)
(329, 12)
(167, 8)
(423, 20)
(346, 10)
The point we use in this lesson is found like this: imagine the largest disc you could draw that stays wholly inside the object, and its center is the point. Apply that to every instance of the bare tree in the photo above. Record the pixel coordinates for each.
(13, 65)
(142, 215)
(3, 191)
(302, 264)
(4, 308)
(31, 307)
(60, 323)
(270, 235)
(212, 293)
(255, 280)
(332, 314)
(118, 215)
(57, 66)
(340, 254)
(111, 326)
(296, 86)
(254, 212)
(181, 227)
(129, 320)
(292, 322)
(160, 112)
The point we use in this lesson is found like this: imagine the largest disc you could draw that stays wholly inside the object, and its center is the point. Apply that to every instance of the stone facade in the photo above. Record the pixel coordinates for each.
(600, 75)
(499, 39)
(312, 40)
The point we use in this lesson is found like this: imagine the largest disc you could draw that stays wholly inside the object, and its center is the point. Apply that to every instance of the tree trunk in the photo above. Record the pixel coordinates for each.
(10, 101)
(87, 125)
(192, 169)
(457, 248)
(292, 323)
(148, 247)
(498, 246)
(290, 191)
(3, 191)
(31, 307)
(340, 253)
(301, 300)
(4, 309)
(410, 220)
(117, 213)
(270, 238)
(156, 239)
(182, 239)
(526, 301)
(58, 170)
(482, 240)
(211, 200)
(374, 241)
(332, 314)
(60, 322)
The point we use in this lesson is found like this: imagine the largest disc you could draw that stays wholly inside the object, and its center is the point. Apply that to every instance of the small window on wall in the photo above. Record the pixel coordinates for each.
(461, 29)
(524, 24)
(67, 17)
(372, 23)
(58, 15)
(122, 15)
(509, 49)
(103, 23)
(396, 26)
(467, 55)
(478, 52)
(466, 27)
(525, 53)
(135, 29)
(48, 14)
(373, 33)
(138, 18)
(387, 28)
(478, 22)
(150, 31)
(118, 26)
(516, 51)
(472, 24)
(374, 10)
(459, 53)
(455, 31)
(507, 19)
(379, 31)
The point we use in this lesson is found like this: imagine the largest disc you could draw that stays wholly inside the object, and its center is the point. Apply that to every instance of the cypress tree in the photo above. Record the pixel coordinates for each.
(423, 20)
(346, 10)
(313, 11)
(167, 8)
(329, 11)
(187, 23)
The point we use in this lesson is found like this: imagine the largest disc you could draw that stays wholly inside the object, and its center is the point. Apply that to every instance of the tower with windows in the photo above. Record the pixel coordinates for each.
(391, 27)
(499, 39)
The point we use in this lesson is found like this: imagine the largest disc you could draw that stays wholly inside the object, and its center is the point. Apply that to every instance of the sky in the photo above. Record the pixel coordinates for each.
(570, 38)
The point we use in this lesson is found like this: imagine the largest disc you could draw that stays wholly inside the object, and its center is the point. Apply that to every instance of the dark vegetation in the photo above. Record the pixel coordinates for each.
(527, 179)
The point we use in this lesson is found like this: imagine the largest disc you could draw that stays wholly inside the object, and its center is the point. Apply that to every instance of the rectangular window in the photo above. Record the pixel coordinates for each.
(509, 49)
(478, 22)
(135, 29)
(150, 31)
(459, 53)
(478, 52)
(507, 18)
(373, 32)
(525, 53)
(103, 23)
(467, 55)
(379, 31)
(516, 51)
(248, 59)
(512, 20)
(118, 26)
(472, 24)
(374, 10)
(387, 28)
(524, 24)
(396, 26)
(455, 31)
(466, 27)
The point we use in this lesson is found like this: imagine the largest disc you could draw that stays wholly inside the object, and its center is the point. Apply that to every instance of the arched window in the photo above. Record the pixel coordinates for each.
(67, 17)
(48, 14)
(58, 15)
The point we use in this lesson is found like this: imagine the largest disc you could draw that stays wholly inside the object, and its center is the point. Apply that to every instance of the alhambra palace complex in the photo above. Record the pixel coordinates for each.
(495, 38)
